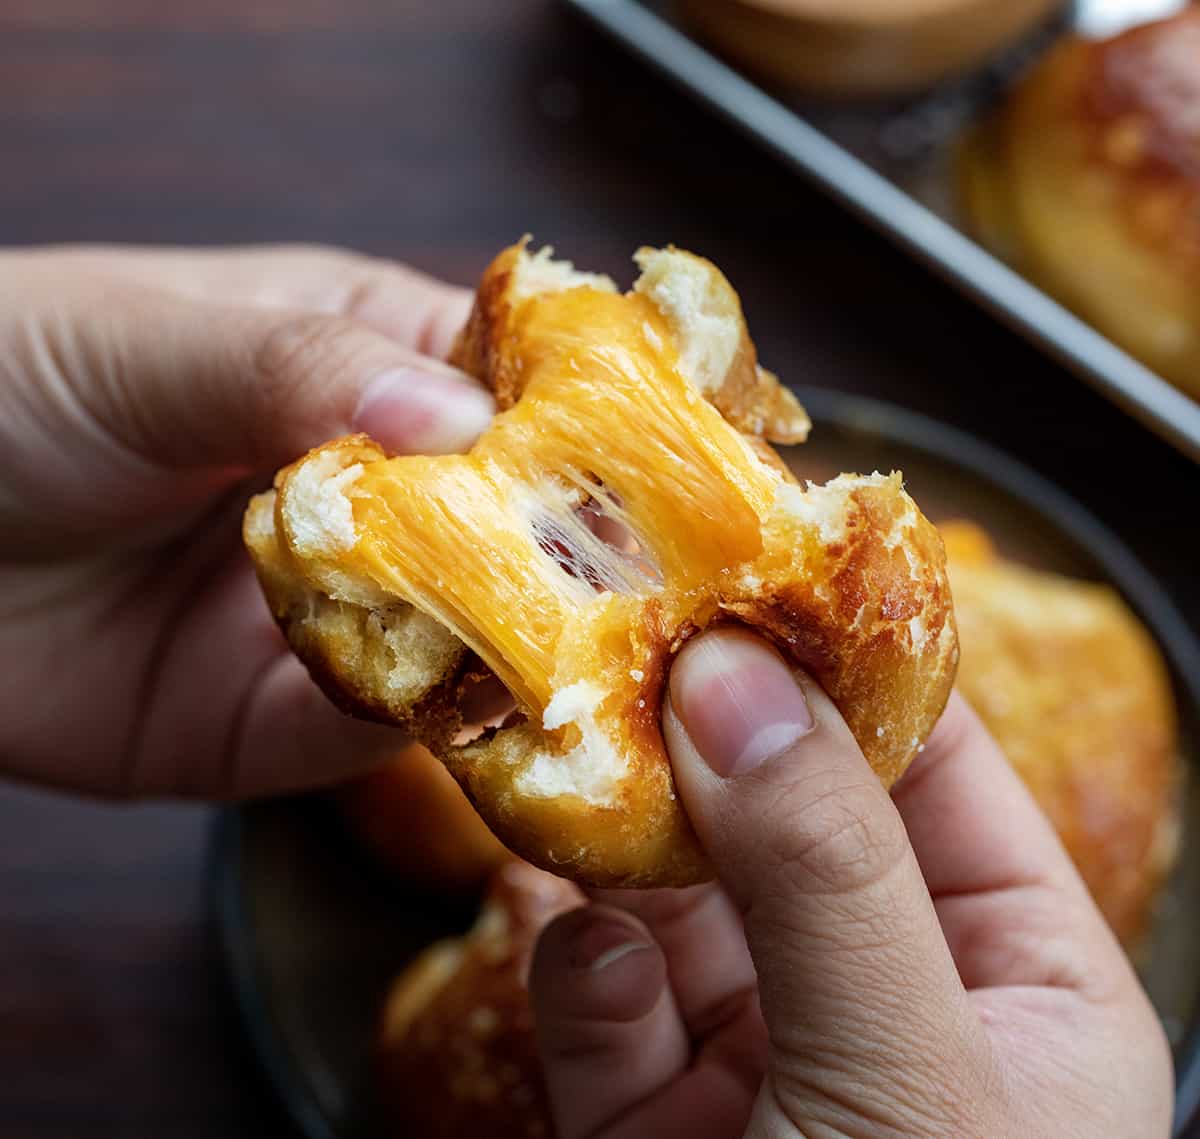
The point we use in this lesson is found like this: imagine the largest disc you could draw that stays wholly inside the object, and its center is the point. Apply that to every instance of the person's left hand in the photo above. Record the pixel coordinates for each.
(143, 397)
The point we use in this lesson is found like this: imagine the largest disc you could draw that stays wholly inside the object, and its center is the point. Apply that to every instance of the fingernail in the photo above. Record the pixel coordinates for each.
(423, 413)
(601, 944)
(738, 701)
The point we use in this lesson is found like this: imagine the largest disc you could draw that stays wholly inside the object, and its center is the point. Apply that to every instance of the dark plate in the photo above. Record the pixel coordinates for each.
(312, 933)
(891, 163)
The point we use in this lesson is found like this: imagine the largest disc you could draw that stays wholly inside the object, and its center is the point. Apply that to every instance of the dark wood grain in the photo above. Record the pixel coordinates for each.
(114, 1017)
(433, 133)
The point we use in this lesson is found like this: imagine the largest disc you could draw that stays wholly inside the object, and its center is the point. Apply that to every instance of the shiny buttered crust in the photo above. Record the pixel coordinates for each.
(400, 580)
(456, 1053)
(1089, 181)
(862, 47)
(1076, 694)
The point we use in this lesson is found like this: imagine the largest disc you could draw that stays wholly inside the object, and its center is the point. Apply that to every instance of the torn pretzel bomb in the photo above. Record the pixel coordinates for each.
(400, 581)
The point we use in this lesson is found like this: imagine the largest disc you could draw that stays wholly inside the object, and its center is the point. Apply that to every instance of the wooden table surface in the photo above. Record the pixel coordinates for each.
(433, 133)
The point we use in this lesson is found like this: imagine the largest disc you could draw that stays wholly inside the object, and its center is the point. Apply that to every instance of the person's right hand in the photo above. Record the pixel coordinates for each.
(923, 965)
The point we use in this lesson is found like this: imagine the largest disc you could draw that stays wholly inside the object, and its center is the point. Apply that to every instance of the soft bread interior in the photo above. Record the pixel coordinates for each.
(392, 653)
(701, 309)
(538, 273)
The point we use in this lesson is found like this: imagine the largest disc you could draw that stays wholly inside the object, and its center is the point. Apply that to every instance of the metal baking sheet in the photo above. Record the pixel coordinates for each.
(890, 162)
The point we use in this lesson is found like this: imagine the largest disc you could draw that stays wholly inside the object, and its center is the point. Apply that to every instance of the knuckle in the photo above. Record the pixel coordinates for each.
(291, 345)
(373, 289)
(323, 266)
(298, 349)
(418, 311)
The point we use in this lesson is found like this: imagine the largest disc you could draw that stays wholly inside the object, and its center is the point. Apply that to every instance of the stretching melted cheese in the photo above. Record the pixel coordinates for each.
(494, 544)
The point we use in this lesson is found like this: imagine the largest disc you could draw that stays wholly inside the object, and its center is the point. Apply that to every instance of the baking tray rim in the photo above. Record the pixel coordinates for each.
(951, 254)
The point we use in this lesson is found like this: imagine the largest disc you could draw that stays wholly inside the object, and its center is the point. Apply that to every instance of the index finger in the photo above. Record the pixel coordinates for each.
(409, 307)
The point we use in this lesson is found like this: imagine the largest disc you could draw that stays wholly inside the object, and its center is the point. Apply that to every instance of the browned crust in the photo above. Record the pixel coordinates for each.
(478, 348)
(846, 624)
(1076, 694)
(1148, 79)
(456, 1053)
(1098, 150)
(1138, 107)
(756, 403)
(642, 840)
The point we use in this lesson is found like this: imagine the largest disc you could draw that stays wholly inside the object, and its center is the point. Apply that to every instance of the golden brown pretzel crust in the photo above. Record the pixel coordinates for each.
(456, 1053)
(603, 403)
(1089, 180)
(1076, 694)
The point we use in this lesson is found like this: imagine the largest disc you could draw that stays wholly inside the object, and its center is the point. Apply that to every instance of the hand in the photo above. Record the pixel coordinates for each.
(923, 965)
(143, 397)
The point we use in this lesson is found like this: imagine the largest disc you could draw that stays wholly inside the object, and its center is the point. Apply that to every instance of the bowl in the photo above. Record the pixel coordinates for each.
(313, 931)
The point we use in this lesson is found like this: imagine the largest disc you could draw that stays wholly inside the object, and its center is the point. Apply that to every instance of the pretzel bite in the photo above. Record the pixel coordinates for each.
(1075, 692)
(1089, 181)
(455, 1053)
(398, 579)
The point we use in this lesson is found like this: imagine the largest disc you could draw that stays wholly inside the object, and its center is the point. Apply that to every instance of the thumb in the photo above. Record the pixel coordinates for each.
(187, 383)
(863, 1005)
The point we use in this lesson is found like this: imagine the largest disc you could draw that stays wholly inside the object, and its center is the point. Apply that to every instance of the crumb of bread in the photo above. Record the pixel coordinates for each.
(320, 516)
(593, 768)
(700, 307)
(539, 273)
